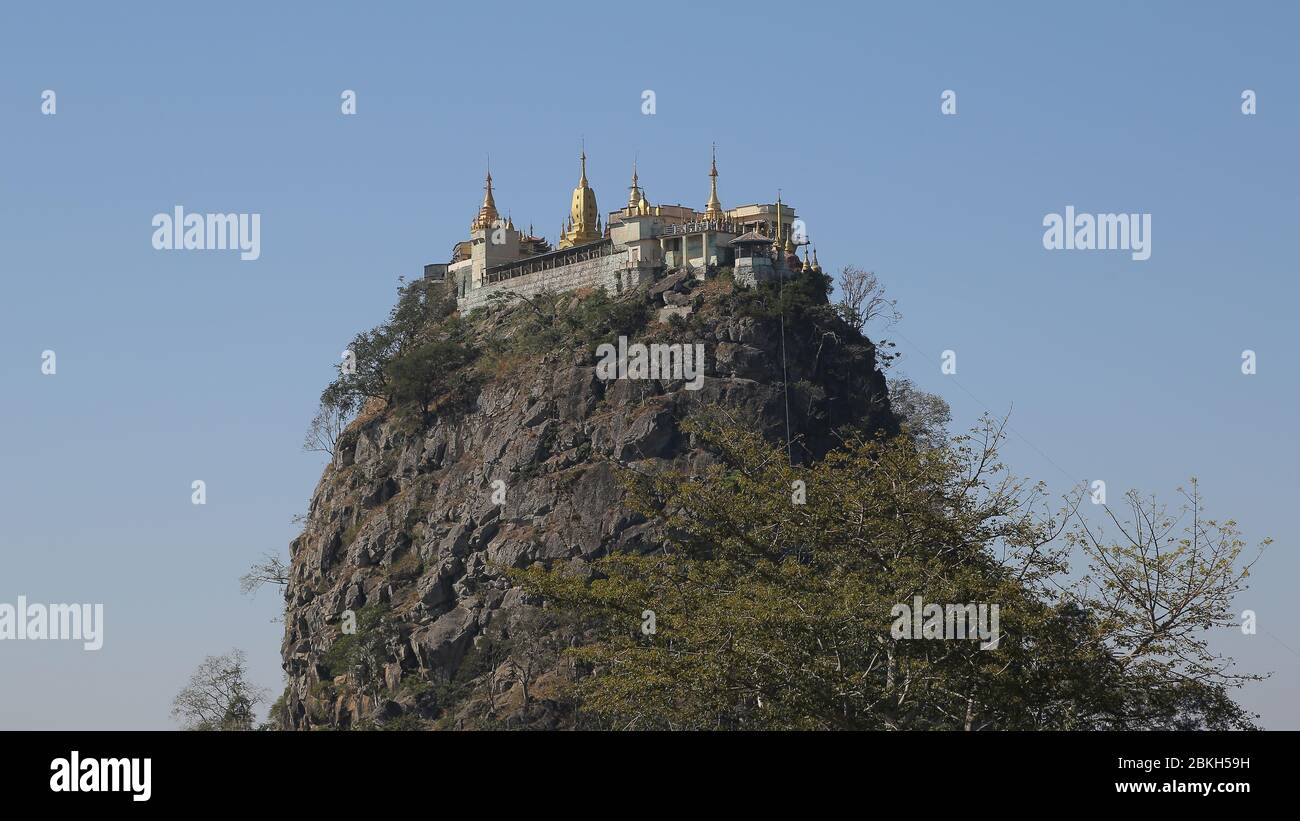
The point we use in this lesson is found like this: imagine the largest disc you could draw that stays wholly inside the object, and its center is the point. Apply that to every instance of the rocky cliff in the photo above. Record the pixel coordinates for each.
(398, 613)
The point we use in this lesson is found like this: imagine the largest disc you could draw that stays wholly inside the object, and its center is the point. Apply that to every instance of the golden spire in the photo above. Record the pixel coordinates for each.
(783, 242)
(777, 238)
(487, 213)
(584, 224)
(713, 210)
(634, 196)
(817, 266)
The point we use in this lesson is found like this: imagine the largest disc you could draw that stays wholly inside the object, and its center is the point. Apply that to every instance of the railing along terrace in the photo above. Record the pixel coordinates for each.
(721, 226)
(547, 262)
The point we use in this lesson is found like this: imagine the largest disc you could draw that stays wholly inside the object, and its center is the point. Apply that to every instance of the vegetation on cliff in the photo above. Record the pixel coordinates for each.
(771, 601)
(499, 524)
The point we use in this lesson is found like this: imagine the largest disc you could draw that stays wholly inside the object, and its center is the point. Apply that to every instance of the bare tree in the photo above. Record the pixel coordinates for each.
(862, 298)
(534, 649)
(219, 695)
(328, 424)
(1165, 581)
(270, 570)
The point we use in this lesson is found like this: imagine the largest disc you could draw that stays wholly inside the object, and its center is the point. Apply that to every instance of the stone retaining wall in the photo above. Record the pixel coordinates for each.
(613, 272)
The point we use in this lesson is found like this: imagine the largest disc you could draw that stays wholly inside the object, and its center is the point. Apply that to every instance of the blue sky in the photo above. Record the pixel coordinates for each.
(176, 366)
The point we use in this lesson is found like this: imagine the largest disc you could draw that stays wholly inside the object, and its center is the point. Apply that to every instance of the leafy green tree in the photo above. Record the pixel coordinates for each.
(408, 360)
(363, 653)
(771, 614)
(428, 371)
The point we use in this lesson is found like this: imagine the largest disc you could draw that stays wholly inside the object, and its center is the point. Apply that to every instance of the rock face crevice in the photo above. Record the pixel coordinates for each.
(419, 522)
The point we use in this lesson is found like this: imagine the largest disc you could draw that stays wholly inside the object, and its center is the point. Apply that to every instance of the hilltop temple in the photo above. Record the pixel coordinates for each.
(635, 244)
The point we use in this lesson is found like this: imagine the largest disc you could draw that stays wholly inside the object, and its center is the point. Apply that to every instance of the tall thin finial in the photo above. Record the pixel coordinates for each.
(778, 219)
(487, 212)
(713, 210)
(634, 190)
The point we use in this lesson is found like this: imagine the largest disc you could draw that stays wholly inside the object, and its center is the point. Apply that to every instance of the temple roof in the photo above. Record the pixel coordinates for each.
(752, 238)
